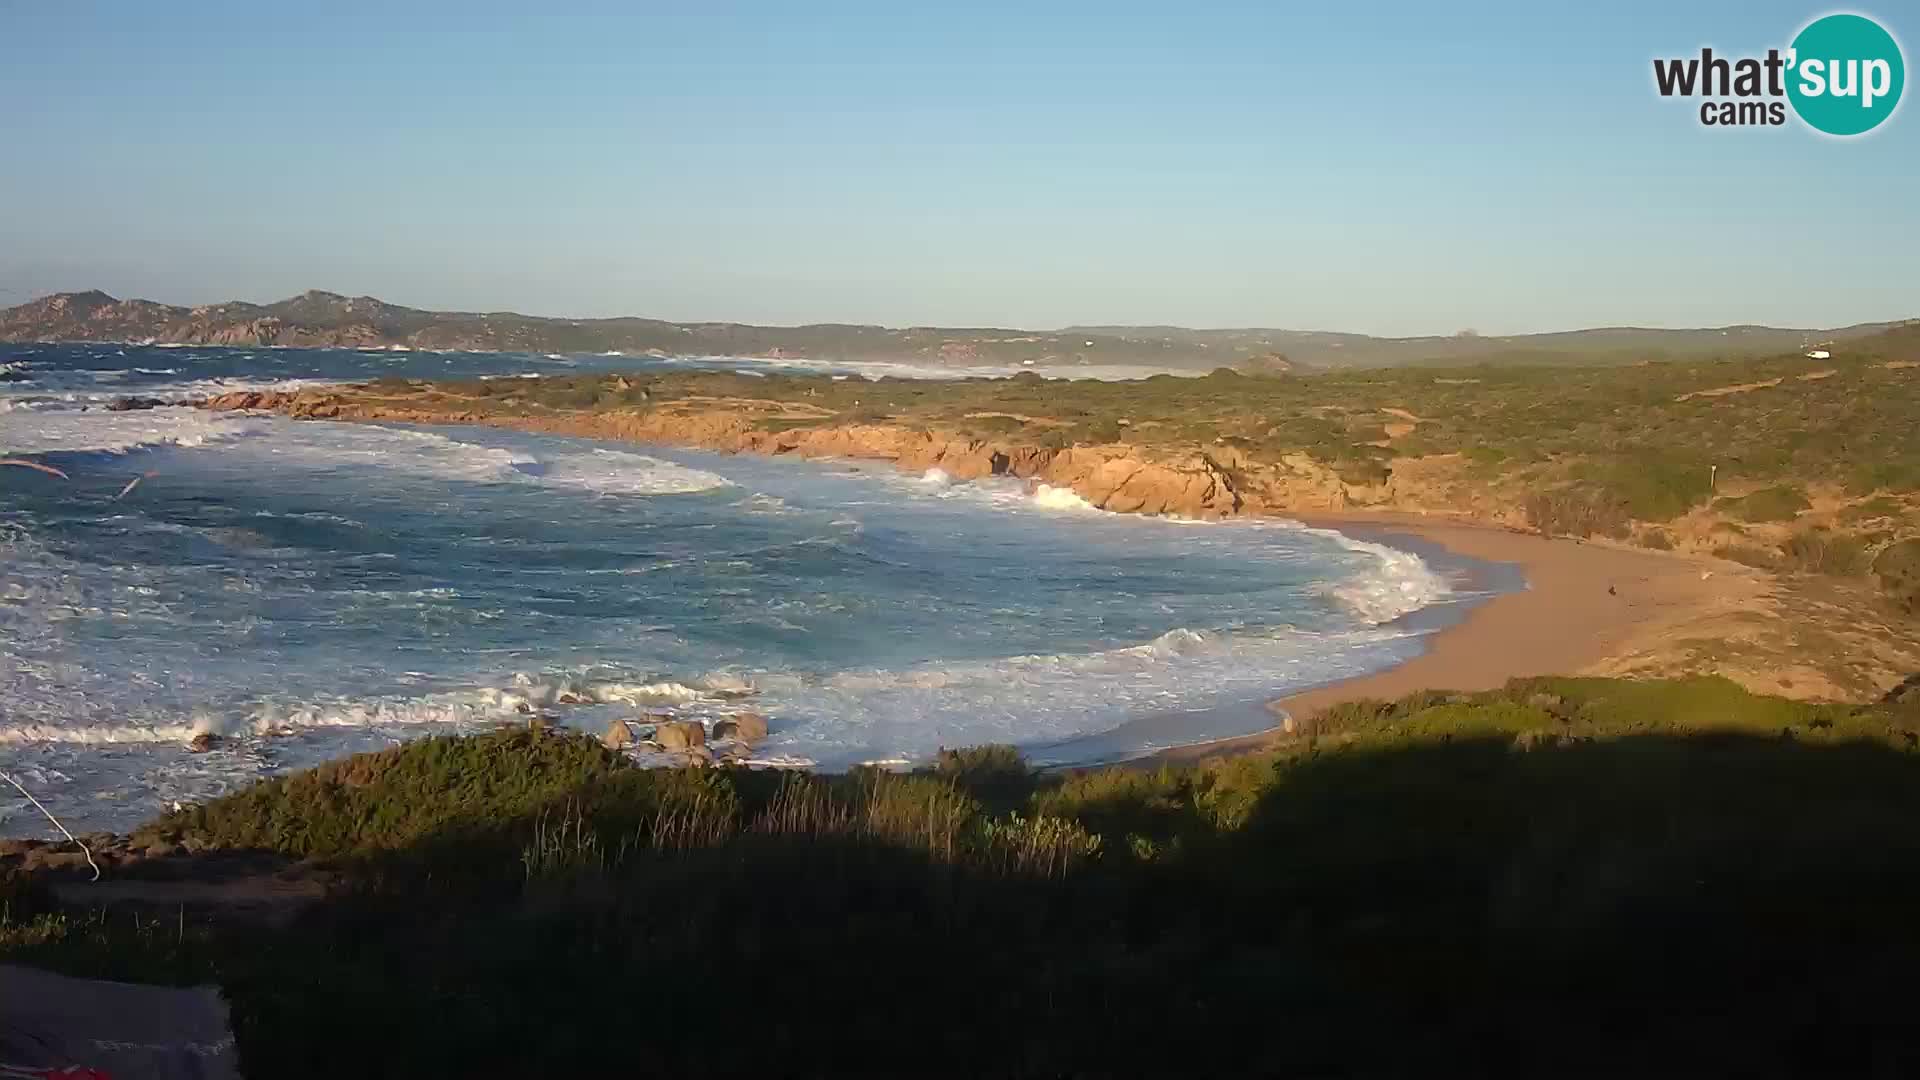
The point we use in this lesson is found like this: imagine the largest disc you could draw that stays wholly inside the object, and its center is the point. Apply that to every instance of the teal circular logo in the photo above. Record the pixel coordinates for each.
(1845, 74)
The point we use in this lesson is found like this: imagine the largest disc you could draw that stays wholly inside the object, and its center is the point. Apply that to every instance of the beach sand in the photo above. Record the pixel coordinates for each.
(1586, 608)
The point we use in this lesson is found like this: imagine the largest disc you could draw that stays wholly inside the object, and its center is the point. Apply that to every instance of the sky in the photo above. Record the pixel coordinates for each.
(1389, 168)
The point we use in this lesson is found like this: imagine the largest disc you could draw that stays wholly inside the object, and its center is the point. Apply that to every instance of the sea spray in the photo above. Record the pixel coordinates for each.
(311, 589)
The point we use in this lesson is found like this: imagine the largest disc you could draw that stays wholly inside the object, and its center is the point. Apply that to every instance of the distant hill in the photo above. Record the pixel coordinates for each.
(1603, 345)
(322, 319)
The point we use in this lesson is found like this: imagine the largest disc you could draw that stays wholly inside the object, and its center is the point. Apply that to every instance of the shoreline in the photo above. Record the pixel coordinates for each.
(1579, 606)
(1583, 605)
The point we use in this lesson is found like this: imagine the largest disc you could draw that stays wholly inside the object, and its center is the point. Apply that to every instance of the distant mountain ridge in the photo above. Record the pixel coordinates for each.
(318, 319)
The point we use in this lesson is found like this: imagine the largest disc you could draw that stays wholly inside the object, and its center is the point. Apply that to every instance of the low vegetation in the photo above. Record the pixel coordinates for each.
(1782, 502)
(1793, 464)
(1677, 872)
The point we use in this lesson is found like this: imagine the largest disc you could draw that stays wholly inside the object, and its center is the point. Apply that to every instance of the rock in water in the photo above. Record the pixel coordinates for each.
(134, 404)
(679, 734)
(618, 737)
(204, 742)
(746, 727)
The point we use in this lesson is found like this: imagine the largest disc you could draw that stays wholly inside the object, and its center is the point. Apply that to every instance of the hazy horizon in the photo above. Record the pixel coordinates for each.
(1395, 171)
(565, 316)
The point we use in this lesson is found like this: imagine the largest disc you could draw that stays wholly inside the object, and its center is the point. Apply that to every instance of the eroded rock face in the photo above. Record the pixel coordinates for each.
(1121, 480)
(1216, 481)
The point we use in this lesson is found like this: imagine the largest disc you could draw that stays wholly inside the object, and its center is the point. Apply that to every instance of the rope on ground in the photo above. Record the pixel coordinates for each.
(84, 850)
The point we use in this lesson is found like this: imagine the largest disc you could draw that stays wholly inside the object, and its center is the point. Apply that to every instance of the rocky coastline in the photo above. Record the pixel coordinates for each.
(1217, 482)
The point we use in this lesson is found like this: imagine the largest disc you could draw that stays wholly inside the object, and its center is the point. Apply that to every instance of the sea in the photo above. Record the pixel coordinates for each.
(307, 589)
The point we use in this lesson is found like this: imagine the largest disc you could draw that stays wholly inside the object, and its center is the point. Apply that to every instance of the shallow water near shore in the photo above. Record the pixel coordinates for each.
(310, 589)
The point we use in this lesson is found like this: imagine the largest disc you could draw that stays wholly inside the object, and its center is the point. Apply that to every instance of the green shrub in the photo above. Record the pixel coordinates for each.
(786, 423)
(1750, 555)
(1818, 551)
(914, 812)
(403, 795)
(1782, 502)
(1046, 847)
(1573, 512)
(997, 425)
(994, 772)
(1486, 869)
(1893, 473)
(1882, 506)
(1656, 539)
(1655, 485)
(1898, 569)
(1366, 471)
(1054, 439)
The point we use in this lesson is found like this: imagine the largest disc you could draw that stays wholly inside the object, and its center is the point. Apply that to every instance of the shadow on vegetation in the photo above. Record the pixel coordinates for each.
(1565, 877)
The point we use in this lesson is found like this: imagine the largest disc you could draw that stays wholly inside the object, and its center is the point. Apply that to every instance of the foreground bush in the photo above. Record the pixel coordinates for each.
(1674, 877)
(1898, 569)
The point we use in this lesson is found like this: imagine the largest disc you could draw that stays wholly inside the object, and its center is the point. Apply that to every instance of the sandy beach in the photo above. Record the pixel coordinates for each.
(1563, 606)
(1586, 608)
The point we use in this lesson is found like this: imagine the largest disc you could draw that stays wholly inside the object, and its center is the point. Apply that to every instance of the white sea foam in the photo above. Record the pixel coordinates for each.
(875, 370)
(617, 472)
(1395, 583)
(64, 392)
(593, 469)
(28, 430)
(182, 661)
(1404, 583)
(1056, 498)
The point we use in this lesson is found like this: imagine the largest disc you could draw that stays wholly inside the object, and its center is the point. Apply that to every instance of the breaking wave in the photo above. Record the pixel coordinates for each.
(28, 430)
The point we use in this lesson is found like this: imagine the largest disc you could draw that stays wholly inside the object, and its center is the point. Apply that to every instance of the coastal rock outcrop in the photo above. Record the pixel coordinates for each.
(619, 736)
(1117, 479)
(1216, 481)
(744, 727)
(679, 734)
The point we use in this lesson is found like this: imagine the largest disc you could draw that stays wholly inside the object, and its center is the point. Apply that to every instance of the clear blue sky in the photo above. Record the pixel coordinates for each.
(1395, 168)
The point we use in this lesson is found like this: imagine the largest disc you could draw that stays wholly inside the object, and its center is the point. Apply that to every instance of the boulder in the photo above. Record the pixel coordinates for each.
(618, 737)
(679, 734)
(746, 727)
(203, 742)
(134, 404)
